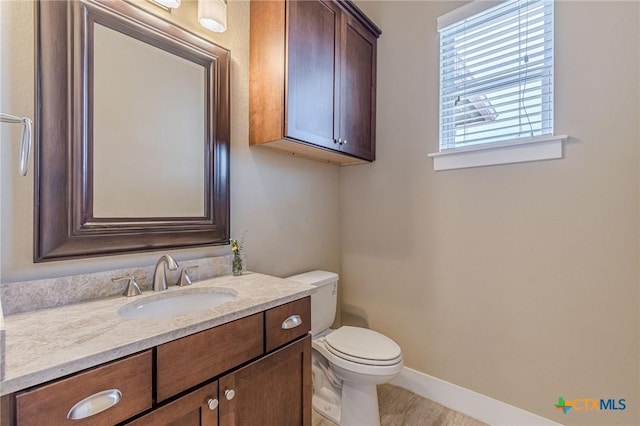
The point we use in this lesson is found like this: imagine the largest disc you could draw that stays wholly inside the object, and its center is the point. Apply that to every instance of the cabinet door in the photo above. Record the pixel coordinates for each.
(274, 391)
(358, 95)
(199, 408)
(313, 36)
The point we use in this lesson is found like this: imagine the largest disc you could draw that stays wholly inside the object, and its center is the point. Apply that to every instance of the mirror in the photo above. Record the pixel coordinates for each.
(137, 171)
(132, 132)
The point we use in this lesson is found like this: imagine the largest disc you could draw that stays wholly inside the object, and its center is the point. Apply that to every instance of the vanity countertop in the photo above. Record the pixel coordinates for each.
(52, 343)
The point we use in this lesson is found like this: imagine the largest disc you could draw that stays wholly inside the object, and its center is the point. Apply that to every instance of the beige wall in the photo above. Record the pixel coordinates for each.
(288, 206)
(517, 281)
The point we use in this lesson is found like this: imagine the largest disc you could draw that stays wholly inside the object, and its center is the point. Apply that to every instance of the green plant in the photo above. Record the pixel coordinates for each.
(236, 248)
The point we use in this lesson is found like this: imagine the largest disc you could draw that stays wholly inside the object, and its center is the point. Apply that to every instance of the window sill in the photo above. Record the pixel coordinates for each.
(546, 147)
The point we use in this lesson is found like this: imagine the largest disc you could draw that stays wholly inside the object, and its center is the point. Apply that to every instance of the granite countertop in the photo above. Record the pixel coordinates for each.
(52, 343)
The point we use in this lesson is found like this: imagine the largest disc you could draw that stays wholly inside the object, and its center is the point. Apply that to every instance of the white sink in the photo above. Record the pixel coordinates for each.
(174, 303)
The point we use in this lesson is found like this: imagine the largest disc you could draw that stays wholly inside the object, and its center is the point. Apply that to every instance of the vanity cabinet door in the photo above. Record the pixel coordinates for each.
(276, 390)
(199, 408)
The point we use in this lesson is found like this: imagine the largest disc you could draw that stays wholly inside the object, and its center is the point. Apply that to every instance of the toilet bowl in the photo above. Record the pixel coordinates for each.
(348, 362)
(357, 375)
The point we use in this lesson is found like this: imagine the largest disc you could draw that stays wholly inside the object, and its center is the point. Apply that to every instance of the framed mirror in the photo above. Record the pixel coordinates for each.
(132, 133)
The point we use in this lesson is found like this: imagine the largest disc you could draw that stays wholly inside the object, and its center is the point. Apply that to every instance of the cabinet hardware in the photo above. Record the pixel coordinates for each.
(229, 394)
(292, 322)
(94, 404)
(212, 403)
(345, 142)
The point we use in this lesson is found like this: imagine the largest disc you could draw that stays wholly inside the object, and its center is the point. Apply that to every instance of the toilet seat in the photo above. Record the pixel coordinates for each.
(336, 361)
(363, 361)
(363, 346)
(358, 364)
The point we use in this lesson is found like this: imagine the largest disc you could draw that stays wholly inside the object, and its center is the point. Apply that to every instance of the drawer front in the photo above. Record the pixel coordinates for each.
(127, 381)
(287, 322)
(189, 361)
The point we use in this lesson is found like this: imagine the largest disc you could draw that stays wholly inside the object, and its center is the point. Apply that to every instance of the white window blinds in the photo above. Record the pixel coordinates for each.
(496, 73)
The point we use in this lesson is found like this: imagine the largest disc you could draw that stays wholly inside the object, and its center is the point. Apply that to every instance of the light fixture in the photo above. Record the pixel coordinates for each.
(212, 14)
(167, 4)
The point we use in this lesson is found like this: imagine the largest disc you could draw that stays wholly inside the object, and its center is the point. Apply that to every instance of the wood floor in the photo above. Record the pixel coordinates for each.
(399, 407)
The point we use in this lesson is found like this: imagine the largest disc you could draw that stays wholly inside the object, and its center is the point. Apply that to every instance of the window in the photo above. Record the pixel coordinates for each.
(496, 82)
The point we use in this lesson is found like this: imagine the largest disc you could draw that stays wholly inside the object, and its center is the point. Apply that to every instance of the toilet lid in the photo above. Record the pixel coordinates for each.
(363, 345)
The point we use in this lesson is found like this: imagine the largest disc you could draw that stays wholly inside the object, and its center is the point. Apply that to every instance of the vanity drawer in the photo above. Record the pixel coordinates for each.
(189, 361)
(51, 404)
(287, 322)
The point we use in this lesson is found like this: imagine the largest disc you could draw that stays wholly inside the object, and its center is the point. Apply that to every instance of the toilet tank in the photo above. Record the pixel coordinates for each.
(324, 301)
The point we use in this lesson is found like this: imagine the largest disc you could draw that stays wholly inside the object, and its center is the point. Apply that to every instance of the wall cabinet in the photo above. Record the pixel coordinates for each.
(255, 370)
(312, 79)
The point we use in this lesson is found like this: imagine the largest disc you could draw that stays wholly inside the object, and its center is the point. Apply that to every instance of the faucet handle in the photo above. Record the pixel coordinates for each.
(185, 279)
(132, 286)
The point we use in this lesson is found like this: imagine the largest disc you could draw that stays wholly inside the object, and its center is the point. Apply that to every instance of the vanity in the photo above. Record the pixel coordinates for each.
(246, 361)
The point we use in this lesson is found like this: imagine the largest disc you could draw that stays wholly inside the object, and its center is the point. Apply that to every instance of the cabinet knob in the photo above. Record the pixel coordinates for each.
(335, 141)
(212, 403)
(229, 394)
(344, 142)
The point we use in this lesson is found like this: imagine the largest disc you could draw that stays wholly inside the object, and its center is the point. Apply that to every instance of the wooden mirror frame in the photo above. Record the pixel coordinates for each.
(64, 225)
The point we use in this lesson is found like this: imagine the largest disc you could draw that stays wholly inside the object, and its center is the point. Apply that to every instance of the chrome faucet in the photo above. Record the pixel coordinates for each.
(160, 274)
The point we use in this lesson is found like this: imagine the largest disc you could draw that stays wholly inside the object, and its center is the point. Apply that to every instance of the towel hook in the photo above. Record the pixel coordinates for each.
(25, 146)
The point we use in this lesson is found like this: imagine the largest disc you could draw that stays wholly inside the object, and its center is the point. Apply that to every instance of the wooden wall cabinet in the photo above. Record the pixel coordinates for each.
(312, 79)
(255, 370)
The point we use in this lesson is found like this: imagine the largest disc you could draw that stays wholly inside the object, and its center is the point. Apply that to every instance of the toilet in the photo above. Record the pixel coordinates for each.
(347, 363)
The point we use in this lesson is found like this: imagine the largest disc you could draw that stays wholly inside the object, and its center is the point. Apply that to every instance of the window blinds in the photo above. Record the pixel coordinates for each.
(496, 74)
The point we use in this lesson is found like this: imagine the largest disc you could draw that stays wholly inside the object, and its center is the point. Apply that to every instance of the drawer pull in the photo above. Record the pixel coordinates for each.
(94, 404)
(292, 322)
(212, 403)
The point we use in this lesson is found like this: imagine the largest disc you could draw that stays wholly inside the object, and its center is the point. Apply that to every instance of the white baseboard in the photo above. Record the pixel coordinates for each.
(473, 404)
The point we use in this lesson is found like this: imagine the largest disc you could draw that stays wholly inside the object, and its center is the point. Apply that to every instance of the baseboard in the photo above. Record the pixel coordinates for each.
(473, 404)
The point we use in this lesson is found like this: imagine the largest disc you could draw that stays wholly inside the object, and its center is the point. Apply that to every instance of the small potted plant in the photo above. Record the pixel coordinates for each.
(237, 264)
